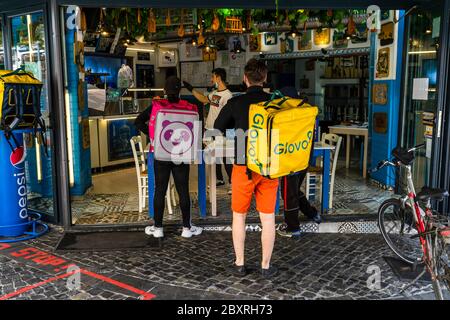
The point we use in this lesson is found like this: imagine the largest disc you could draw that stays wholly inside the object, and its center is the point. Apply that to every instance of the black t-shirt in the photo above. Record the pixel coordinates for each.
(234, 115)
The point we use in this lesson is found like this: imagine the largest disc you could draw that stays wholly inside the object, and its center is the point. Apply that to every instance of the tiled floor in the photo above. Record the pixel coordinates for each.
(113, 199)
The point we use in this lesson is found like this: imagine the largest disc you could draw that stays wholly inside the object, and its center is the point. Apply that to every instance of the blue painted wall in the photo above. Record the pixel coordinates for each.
(81, 157)
(381, 145)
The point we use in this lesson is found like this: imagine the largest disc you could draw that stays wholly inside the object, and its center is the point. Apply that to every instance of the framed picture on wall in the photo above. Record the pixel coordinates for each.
(322, 37)
(270, 38)
(305, 40)
(255, 42)
(119, 135)
(361, 32)
(340, 40)
(385, 15)
(286, 45)
(167, 58)
(380, 122)
(104, 44)
(143, 56)
(221, 43)
(386, 34)
(383, 63)
(379, 93)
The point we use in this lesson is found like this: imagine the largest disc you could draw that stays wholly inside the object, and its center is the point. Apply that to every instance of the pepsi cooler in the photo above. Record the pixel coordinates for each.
(13, 187)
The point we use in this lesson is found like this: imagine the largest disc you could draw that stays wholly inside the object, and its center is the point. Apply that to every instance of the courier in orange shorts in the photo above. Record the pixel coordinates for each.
(243, 187)
(234, 115)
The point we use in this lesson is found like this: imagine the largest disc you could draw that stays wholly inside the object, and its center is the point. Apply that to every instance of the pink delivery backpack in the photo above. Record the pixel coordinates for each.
(174, 131)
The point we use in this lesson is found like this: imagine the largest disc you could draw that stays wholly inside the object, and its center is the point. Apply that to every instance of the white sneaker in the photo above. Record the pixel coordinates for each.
(193, 231)
(154, 231)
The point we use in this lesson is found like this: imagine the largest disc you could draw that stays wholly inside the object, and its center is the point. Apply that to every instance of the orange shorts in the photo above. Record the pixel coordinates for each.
(242, 189)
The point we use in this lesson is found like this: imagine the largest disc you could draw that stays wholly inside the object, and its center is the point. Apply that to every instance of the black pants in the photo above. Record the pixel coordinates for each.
(180, 173)
(228, 169)
(295, 200)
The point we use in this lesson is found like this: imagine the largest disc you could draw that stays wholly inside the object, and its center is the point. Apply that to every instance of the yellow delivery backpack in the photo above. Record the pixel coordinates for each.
(20, 95)
(280, 136)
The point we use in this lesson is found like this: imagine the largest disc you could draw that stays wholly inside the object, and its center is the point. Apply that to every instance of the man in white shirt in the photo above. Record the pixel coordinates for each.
(216, 99)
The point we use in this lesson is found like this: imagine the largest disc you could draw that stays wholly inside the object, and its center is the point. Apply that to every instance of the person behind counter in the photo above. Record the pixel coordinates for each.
(217, 99)
(163, 169)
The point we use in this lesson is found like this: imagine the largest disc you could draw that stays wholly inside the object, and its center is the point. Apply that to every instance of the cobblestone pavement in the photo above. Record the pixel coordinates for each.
(316, 266)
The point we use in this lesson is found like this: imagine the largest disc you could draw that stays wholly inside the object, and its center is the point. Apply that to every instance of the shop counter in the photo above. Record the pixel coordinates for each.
(110, 139)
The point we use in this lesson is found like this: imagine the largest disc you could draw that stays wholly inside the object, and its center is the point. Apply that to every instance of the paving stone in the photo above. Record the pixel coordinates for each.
(318, 266)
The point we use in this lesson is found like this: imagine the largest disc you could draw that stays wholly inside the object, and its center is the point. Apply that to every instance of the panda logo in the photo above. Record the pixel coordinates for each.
(177, 137)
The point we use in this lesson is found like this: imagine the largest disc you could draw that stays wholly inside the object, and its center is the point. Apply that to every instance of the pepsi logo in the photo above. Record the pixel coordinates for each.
(17, 157)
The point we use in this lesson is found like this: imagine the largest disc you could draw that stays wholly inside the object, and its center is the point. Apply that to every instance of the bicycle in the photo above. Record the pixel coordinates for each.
(416, 235)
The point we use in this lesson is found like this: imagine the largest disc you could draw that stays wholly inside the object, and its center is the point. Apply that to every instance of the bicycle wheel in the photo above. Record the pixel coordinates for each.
(441, 264)
(397, 225)
(435, 253)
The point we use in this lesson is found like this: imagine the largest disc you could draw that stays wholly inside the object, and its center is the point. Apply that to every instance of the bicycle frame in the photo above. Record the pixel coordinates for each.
(419, 213)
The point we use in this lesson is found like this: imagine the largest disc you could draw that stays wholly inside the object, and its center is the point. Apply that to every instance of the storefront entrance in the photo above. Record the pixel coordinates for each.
(96, 117)
(105, 171)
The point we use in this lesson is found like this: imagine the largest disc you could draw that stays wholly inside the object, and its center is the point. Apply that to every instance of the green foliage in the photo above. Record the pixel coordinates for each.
(126, 18)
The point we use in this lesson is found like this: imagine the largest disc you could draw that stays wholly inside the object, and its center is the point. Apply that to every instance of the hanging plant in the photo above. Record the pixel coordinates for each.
(338, 17)
(303, 16)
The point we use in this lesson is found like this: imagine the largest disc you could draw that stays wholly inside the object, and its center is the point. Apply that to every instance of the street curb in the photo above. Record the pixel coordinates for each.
(343, 224)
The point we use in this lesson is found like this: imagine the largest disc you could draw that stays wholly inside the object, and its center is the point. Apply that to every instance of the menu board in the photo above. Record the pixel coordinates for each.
(198, 73)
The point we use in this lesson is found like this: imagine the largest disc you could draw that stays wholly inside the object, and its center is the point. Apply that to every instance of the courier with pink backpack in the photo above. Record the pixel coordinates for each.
(174, 131)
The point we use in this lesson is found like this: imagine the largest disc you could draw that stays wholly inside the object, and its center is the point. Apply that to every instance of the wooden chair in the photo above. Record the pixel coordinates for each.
(142, 176)
(315, 173)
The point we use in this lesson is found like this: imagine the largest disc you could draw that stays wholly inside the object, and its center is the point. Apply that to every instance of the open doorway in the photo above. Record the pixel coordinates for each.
(120, 61)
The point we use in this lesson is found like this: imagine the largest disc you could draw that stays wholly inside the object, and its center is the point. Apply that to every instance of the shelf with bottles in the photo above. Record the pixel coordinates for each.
(351, 68)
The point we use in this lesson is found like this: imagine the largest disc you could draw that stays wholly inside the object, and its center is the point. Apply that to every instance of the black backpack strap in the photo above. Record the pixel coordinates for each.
(8, 136)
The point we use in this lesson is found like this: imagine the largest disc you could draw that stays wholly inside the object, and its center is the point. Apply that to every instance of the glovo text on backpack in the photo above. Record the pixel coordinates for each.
(280, 136)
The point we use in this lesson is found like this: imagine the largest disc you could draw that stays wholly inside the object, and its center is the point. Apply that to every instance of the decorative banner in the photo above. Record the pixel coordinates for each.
(305, 40)
(380, 93)
(386, 34)
(255, 43)
(383, 63)
(322, 38)
(270, 38)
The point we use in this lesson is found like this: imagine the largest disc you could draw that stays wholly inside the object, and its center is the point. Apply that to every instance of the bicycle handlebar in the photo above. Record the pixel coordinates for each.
(419, 146)
(387, 162)
(382, 164)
